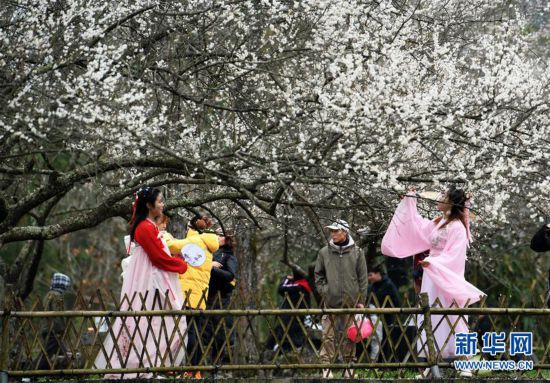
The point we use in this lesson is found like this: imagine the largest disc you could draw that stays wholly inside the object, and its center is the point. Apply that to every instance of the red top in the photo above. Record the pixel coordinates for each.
(147, 235)
(304, 284)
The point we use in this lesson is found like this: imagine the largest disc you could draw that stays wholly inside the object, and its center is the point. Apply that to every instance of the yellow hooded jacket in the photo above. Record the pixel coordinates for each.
(197, 251)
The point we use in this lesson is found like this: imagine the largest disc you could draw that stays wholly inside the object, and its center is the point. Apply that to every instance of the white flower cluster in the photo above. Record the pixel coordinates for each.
(327, 96)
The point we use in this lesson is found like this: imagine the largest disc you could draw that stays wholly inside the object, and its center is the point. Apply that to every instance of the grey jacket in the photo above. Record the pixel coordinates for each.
(341, 275)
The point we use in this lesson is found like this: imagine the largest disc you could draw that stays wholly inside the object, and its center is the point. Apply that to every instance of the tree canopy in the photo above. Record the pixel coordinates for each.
(296, 110)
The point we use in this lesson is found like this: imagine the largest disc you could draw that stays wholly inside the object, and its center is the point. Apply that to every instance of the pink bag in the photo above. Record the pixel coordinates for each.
(361, 328)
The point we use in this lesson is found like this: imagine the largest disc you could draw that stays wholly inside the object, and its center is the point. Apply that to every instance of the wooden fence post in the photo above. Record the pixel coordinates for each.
(5, 340)
(430, 341)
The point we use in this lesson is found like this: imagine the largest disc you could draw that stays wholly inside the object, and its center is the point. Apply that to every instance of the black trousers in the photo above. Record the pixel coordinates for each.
(195, 347)
(295, 332)
(219, 331)
(53, 348)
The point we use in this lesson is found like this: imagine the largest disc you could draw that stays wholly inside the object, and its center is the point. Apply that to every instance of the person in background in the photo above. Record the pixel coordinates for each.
(54, 329)
(541, 243)
(296, 293)
(220, 289)
(383, 287)
(341, 279)
(386, 295)
(196, 249)
(162, 222)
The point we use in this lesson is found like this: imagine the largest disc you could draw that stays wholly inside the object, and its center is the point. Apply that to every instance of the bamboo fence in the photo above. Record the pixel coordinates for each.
(103, 336)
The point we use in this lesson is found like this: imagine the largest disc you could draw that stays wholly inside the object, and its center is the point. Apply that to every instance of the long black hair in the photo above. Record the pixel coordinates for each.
(140, 210)
(458, 199)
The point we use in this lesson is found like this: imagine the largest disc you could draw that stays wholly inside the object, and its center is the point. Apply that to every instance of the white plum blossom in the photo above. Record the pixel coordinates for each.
(314, 98)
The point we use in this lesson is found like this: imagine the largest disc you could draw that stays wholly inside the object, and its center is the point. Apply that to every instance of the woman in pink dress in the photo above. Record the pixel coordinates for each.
(447, 239)
(150, 283)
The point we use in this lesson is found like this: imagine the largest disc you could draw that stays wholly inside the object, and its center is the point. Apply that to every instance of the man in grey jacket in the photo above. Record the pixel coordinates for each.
(341, 279)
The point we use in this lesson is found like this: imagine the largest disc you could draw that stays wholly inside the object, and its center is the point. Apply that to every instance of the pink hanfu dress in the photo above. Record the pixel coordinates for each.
(443, 280)
(160, 344)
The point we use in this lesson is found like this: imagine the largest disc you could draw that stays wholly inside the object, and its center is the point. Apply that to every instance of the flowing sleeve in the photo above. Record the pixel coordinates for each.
(408, 232)
(147, 236)
(446, 270)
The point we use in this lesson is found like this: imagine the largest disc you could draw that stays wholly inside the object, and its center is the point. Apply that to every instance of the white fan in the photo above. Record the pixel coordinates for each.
(193, 254)
(430, 195)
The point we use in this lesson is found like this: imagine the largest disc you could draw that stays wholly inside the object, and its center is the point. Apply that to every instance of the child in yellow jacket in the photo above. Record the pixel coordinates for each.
(197, 249)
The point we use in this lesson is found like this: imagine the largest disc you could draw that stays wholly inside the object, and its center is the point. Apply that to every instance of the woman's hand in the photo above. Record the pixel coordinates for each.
(412, 189)
(217, 265)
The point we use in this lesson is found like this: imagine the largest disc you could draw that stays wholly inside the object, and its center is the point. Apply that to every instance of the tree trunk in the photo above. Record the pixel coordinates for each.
(2, 283)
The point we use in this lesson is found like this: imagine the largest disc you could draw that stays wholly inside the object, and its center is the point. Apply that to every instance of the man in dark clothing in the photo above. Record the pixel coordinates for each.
(383, 287)
(386, 295)
(541, 243)
(54, 329)
(220, 290)
(296, 293)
